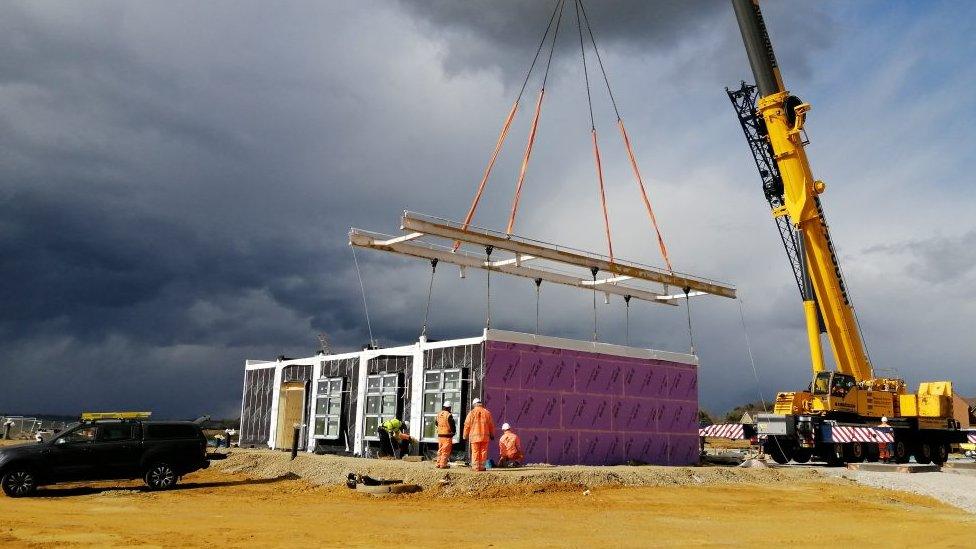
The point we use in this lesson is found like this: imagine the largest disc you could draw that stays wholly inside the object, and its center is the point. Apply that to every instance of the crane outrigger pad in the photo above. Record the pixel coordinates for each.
(433, 238)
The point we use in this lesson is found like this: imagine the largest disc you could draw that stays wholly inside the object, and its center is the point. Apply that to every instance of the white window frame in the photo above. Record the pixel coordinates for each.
(440, 390)
(385, 390)
(330, 396)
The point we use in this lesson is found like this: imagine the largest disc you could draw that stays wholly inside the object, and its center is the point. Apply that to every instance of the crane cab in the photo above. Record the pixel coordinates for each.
(834, 392)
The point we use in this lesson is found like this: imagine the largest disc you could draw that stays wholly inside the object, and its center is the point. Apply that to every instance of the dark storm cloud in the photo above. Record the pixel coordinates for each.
(177, 180)
(486, 33)
(505, 33)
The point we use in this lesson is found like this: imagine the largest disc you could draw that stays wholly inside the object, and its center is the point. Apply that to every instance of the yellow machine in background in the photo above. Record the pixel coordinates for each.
(802, 423)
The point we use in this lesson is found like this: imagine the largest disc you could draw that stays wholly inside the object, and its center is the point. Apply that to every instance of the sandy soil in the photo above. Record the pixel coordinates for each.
(217, 508)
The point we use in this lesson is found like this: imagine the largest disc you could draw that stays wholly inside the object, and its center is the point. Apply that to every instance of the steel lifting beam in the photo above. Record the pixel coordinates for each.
(365, 239)
(435, 227)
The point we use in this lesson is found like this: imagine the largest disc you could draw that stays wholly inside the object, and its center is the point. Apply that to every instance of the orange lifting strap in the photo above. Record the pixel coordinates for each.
(643, 191)
(491, 164)
(525, 162)
(508, 123)
(603, 194)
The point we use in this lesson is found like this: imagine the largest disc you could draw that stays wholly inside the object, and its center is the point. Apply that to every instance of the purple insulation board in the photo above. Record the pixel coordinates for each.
(575, 407)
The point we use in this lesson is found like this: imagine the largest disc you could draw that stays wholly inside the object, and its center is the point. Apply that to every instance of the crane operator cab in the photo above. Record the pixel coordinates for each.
(834, 391)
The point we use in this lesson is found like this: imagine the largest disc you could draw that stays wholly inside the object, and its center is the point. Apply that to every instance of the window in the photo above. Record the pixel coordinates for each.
(114, 432)
(82, 434)
(440, 386)
(328, 407)
(381, 401)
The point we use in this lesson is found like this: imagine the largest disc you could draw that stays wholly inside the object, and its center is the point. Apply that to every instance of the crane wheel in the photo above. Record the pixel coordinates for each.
(924, 454)
(802, 455)
(941, 454)
(854, 452)
(778, 451)
(873, 453)
(900, 452)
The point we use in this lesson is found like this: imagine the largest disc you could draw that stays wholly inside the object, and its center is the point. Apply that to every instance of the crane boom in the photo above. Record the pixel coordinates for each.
(826, 302)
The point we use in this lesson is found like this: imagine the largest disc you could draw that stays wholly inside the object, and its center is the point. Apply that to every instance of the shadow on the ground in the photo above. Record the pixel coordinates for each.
(72, 491)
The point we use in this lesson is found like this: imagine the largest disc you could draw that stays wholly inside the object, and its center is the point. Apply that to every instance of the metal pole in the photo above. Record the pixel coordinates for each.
(296, 434)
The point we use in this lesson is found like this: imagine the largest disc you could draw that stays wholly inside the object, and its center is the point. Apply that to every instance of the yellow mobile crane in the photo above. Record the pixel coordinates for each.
(837, 419)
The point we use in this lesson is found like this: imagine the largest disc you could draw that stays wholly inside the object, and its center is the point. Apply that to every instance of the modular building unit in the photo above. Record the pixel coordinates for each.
(572, 402)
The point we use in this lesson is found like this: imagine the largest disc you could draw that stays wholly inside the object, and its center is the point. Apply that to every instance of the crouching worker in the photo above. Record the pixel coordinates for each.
(394, 441)
(446, 428)
(510, 448)
(479, 428)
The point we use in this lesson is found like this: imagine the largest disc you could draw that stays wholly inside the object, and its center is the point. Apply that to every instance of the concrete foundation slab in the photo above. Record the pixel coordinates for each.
(894, 467)
(961, 465)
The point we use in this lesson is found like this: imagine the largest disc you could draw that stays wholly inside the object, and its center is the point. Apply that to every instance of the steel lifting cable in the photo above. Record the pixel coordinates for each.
(594, 270)
(535, 125)
(596, 146)
(691, 335)
(488, 250)
(627, 144)
(752, 358)
(430, 291)
(627, 324)
(362, 287)
(538, 289)
(506, 126)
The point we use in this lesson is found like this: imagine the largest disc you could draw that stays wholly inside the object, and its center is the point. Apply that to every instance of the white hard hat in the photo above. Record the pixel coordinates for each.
(447, 405)
(476, 401)
(884, 419)
(506, 426)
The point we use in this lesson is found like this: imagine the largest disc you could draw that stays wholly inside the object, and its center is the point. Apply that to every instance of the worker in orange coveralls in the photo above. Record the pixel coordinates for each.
(446, 428)
(479, 428)
(884, 448)
(510, 448)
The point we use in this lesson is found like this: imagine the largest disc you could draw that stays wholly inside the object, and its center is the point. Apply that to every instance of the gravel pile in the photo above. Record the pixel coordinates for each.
(958, 490)
(332, 470)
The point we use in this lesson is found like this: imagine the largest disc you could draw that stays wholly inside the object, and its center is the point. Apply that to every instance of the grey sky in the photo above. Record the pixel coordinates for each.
(177, 180)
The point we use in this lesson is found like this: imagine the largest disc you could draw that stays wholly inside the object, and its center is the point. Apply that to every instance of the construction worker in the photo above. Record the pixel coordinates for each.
(510, 448)
(884, 448)
(446, 428)
(399, 440)
(479, 428)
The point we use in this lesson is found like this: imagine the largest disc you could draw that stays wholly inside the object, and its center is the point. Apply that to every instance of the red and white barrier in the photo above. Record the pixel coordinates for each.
(849, 433)
(972, 437)
(723, 430)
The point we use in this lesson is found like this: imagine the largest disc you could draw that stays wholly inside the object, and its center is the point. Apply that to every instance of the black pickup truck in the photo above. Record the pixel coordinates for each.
(160, 452)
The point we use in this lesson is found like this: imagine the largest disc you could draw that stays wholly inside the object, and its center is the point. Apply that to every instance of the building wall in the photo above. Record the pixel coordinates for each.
(576, 407)
(259, 391)
(348, 370)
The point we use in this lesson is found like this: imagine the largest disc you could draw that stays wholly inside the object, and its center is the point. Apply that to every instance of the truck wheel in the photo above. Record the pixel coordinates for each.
(923, 455)
(802, 455)
(941, 454)
(834, 454)
(779, 452)
(19, 482)
(854, 452)
(900, 452)
(160, 476)
(872, 455)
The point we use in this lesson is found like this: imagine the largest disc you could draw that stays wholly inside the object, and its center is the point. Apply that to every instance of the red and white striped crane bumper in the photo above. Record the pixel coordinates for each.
(971, 436)
(723, 430)
(850, 433)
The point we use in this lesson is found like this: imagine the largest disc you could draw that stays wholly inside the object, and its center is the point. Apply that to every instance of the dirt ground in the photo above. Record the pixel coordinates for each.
(234, 509)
